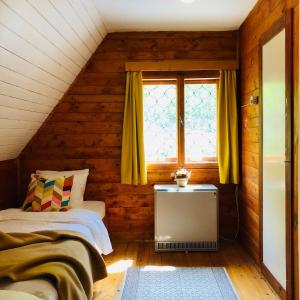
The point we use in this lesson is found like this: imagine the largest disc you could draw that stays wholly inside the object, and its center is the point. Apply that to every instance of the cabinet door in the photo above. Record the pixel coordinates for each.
(186, 216)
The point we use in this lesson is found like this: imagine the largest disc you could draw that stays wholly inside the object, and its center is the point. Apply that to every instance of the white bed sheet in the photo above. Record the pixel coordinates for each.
(80, 220)
(39, 288)
(15, 295)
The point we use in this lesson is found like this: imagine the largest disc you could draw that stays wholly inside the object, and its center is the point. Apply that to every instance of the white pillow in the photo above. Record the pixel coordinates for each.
(79, 183)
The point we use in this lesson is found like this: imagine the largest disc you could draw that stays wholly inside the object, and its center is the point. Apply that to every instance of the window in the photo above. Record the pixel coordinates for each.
(160, 122)
(200, 122)
(180, 120)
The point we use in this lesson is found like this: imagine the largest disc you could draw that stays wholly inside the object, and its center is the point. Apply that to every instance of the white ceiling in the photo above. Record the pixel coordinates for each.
(43, 46)
(152, 15)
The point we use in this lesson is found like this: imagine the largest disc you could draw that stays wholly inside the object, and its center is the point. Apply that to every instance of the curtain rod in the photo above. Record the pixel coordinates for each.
(181, 65)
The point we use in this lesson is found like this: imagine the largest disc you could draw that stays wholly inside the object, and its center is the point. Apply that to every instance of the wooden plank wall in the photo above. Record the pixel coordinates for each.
(264, 14)
(43, 46)
(8, 184)
(85, 129)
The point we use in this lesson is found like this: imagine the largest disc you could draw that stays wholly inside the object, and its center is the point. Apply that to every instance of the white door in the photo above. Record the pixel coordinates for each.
(274, 157)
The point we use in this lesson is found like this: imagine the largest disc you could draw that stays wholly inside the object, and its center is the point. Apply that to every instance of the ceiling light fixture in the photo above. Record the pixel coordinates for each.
(187, 1)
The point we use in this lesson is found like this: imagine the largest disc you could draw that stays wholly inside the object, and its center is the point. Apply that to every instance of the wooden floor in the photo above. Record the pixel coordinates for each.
(247, 279)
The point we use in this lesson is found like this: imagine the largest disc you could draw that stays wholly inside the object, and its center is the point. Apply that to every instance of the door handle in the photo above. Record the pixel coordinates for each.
(181, 122)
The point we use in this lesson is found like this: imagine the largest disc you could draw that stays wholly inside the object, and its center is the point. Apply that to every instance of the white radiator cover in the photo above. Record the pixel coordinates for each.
(186, 219)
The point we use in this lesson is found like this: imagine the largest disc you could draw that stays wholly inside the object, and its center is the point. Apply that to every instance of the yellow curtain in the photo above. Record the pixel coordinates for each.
(227, 128)
(133, 166)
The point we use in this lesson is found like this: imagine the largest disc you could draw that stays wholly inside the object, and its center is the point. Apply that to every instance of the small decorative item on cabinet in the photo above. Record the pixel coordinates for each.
(181, 176)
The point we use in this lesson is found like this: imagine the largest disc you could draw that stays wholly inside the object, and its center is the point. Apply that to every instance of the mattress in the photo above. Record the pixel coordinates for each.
(86, 219)
(96, 206)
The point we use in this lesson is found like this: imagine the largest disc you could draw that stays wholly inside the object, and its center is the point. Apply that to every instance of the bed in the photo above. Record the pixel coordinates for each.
(85, 220)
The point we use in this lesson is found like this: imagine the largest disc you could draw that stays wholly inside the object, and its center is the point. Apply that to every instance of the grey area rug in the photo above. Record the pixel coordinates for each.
(172, 283)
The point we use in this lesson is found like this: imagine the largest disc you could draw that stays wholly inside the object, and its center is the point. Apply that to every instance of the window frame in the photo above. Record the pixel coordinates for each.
(180, 78)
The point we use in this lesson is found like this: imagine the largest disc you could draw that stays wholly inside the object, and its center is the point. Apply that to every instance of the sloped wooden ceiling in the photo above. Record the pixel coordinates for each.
(43, 46)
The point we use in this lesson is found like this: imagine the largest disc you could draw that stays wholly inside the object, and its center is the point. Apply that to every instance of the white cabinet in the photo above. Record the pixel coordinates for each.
(186, 219)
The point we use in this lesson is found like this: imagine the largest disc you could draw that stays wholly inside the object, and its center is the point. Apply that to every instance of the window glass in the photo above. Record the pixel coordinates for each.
(200, 122)
(160, 122)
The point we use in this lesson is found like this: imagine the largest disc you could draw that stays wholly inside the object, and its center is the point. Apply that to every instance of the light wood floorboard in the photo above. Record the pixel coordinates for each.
(244, 273)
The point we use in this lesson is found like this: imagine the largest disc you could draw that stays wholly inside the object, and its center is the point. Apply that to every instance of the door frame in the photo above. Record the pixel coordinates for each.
(285, 22)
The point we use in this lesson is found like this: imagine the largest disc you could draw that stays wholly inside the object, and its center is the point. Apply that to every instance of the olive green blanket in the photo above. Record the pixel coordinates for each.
(65, 258)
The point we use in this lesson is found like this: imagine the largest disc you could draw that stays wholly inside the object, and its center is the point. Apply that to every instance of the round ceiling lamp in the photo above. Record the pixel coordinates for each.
(187, 1)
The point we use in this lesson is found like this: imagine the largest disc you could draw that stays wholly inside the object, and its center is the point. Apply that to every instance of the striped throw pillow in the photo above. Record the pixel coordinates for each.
(48, 193)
